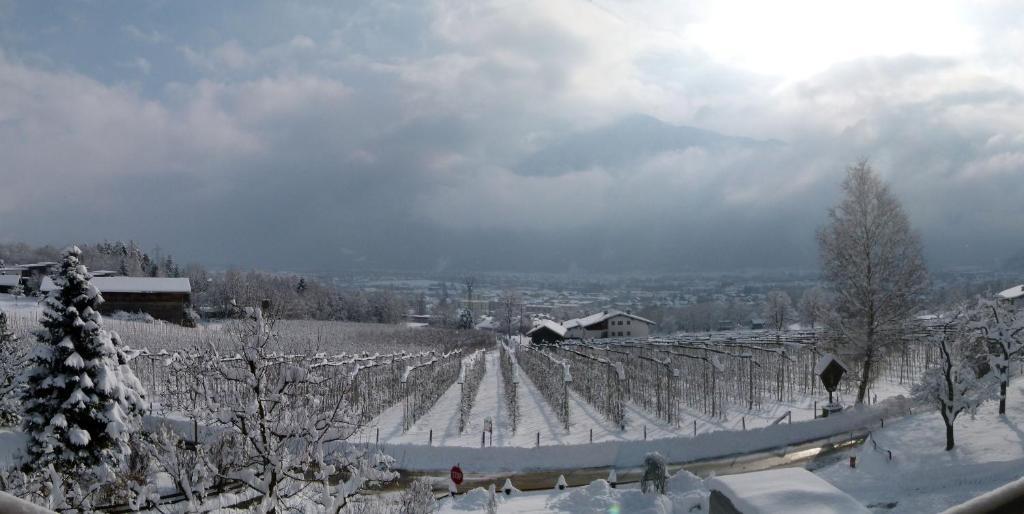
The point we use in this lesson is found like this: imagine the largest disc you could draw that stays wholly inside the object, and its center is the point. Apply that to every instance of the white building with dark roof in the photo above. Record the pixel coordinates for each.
(609, 323)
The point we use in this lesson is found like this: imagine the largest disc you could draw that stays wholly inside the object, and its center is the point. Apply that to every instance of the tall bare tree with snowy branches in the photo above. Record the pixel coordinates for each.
(872, 259)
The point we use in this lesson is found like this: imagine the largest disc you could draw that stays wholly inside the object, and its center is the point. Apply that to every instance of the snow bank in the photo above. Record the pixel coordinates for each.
(687, 492)
(790, 490)
(600, 497)
(12, 505)
(473, 501)
(626, 454)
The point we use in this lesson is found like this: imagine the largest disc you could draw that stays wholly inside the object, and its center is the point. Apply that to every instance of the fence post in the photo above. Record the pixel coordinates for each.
(430, 441)
(483, 438)
(538, 439)
(645, 432)
(695, 428)
(377, 439)
(744, 420)
(591, 435)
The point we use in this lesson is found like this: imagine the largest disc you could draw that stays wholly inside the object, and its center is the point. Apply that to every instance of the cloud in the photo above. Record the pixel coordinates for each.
(152, 37)
(385, 136)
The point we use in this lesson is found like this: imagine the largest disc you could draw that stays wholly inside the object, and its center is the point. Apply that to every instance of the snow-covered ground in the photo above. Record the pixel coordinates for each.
(923, 477)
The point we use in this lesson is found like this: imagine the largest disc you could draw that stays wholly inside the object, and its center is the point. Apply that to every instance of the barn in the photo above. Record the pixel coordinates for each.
(547, 332)
(163, 298)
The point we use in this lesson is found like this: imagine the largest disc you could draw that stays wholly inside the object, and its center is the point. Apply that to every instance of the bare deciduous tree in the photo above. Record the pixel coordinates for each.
(1001, 325)
(813, 306)
(510, 312)
(872, 260)
(959, 382)
(778, 310)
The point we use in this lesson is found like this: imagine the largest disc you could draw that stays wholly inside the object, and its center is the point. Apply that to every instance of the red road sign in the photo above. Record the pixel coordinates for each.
(456, 475)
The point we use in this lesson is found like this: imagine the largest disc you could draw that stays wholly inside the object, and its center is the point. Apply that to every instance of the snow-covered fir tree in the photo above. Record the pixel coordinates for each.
(465, 319)
(1000, 324)
(81, 400)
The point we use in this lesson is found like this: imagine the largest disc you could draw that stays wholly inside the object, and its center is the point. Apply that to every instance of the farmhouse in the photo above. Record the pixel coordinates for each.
(609, 323)
(547, 332)
(162, 298)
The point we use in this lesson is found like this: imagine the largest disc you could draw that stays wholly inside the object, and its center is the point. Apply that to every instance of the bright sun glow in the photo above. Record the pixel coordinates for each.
(797, 38)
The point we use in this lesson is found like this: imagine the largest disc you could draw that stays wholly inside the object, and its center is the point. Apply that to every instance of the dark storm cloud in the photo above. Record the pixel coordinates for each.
(552, 135)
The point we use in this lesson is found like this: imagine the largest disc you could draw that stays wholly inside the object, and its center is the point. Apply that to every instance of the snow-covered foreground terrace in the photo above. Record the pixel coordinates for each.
(923, 477)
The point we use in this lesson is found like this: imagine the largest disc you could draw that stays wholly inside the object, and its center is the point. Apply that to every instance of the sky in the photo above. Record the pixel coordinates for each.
(550, 135)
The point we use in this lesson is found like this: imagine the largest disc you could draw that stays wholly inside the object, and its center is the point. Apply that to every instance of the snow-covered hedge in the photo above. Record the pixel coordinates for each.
(551, 377)
(472, 374)
(510, 379)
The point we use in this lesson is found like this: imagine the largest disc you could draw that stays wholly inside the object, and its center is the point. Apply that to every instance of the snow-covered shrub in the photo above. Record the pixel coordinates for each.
(551, 376)
(599, 381)
(188, 465)
(655, 474)
(418, 498)
(510, 381)
(423, 384)
(137, 317)
(472, 376)
(82, 400)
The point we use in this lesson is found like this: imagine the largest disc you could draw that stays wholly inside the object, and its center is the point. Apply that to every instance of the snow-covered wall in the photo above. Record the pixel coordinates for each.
(624, 454)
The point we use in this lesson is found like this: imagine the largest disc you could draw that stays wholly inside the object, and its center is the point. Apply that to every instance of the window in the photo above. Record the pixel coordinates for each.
(629, 322)
(604, 334)
(629, 333)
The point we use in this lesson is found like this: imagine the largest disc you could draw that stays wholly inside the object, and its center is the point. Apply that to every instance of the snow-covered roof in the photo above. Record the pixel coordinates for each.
(487, 323)
(586, 321)
(790, 490)
(9, 280)
(1012, 293)
(131, 285)
(550, 325)
(825, 359)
